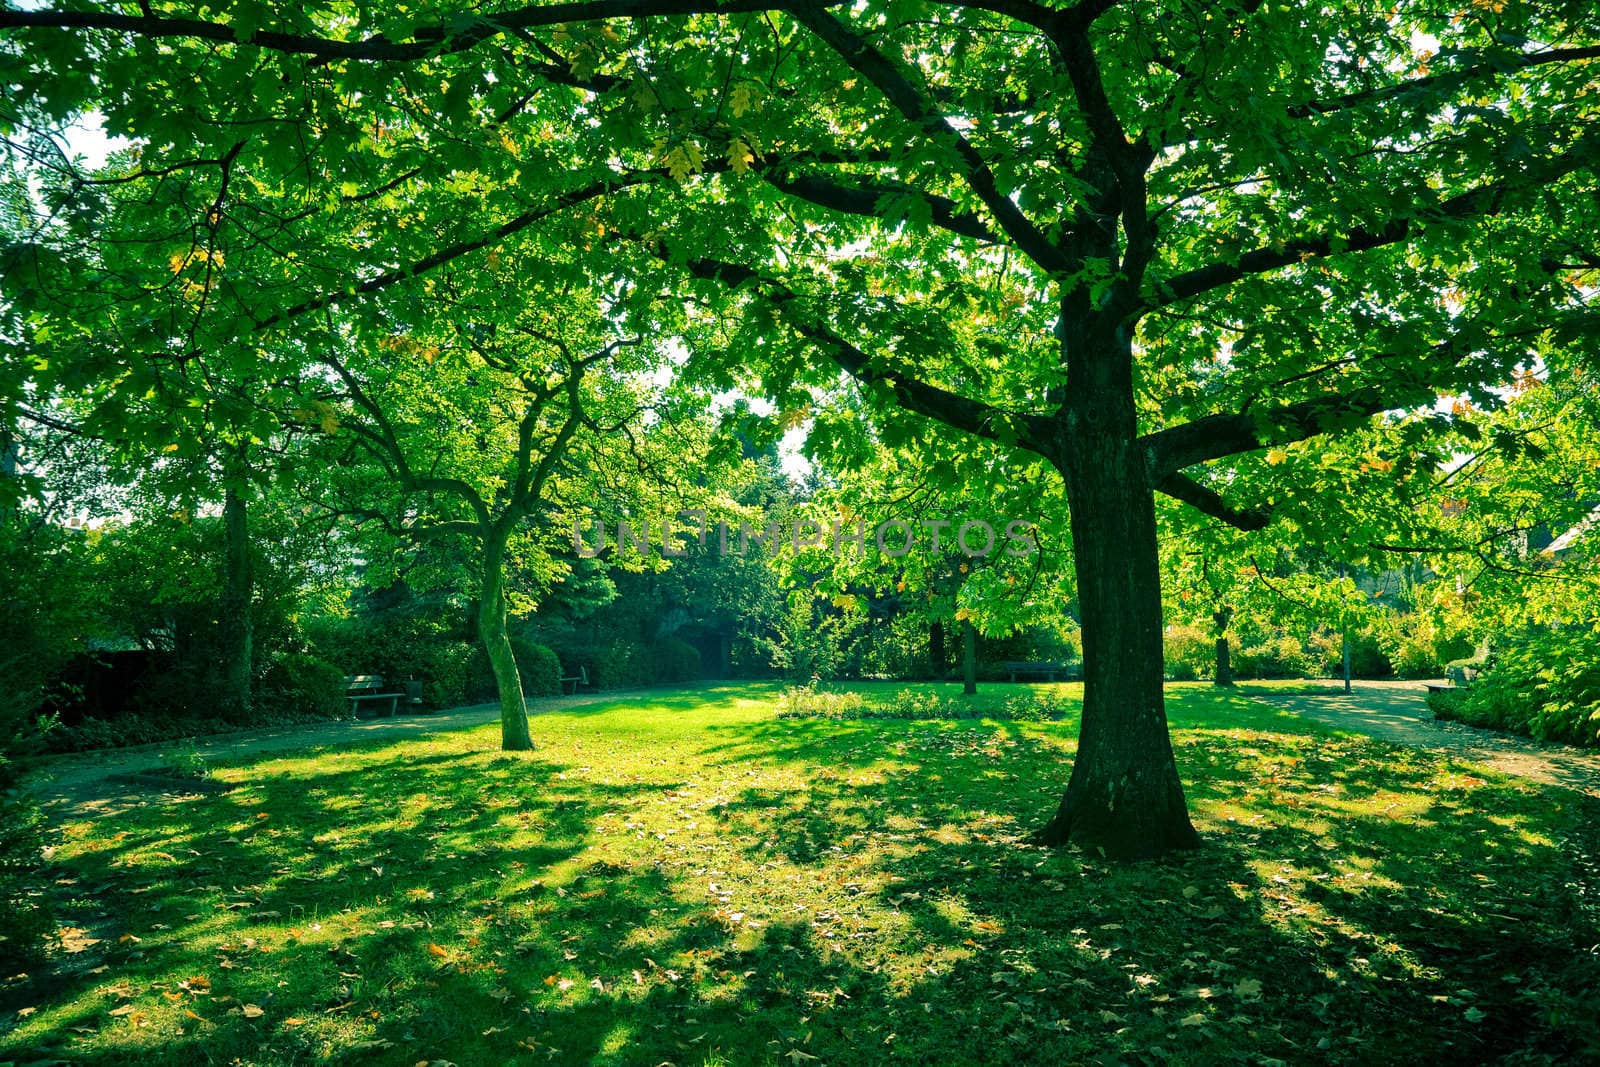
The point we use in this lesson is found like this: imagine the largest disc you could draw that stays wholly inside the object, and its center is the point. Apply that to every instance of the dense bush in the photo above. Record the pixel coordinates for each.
(1419, 645)
(304, 685)
(538, 666)
(1543, 683)
(619, 664)
(1278, 656)
(897, 647)
(676, 661)
(1189, 653)
(452, 672)
(813, 639)
(1367, 657)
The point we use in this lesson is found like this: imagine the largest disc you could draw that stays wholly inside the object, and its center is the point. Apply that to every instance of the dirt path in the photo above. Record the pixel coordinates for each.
(93, 784)
(1398, 712)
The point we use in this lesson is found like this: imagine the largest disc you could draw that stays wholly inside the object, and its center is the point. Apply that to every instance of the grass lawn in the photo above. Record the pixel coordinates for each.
(685, 878)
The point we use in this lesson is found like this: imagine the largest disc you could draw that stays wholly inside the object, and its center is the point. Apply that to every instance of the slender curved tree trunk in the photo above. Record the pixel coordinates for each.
(514, 736)
(1124, 797)
(238, 584)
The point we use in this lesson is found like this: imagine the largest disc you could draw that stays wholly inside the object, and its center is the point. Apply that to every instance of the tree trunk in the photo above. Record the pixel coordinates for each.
(514, 736)
(1224, 673)
(1344, 644)
(969, 658)
(238, 585)
(1124, 797)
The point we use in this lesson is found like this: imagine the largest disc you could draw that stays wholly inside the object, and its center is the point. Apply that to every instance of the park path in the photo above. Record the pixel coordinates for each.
(1398, 712)
(85, 785)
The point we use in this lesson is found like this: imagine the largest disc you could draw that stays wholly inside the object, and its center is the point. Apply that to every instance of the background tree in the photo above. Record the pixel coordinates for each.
(473, 403)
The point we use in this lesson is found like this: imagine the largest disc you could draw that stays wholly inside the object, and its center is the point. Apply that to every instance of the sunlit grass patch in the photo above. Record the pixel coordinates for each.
(687, 878)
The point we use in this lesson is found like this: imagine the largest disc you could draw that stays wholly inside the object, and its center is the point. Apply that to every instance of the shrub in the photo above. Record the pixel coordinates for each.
(539, 667)
(897, 647)
(676, 661)
(177, 691)
(1446, 704)
(1275, 657)
(619, 665)
(812, 639)
(453, 673)
(184, 760)
(1544, 683)
(1367, 658)
(811, 702)
(1189, 653)
(302, 685)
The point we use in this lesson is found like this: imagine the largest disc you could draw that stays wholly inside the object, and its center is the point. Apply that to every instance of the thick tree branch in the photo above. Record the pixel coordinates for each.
(1446, 79)
(954, 410)
(1170, 450)
(461, 248)
(864, 198)
(456, 34)
(1207, 500)
(914, 103)
(1484, 200)
(381, 437)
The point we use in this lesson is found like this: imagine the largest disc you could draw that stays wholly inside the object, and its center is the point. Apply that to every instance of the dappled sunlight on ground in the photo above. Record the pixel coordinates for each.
(687, 878)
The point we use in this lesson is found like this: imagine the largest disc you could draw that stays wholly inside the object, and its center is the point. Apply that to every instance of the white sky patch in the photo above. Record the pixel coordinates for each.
(87, 139)
(1424, 42)
(795, 464)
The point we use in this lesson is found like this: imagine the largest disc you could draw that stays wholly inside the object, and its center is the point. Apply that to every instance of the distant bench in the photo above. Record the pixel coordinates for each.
(361, 688)
(575, 680)
(1037, 669)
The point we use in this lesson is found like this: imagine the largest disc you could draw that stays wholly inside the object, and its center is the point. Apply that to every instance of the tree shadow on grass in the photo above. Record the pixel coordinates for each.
(856, 893)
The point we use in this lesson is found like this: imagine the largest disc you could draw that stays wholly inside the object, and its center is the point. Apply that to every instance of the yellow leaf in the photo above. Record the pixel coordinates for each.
(683, 160)
(742, 99)
(253, 1011)
(1277, 456)
(438, 951)
(740, 156)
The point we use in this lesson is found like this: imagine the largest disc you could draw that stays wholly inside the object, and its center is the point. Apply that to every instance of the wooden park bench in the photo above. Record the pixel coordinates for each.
(360, 688)
(581, 678)
(1037, 668)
